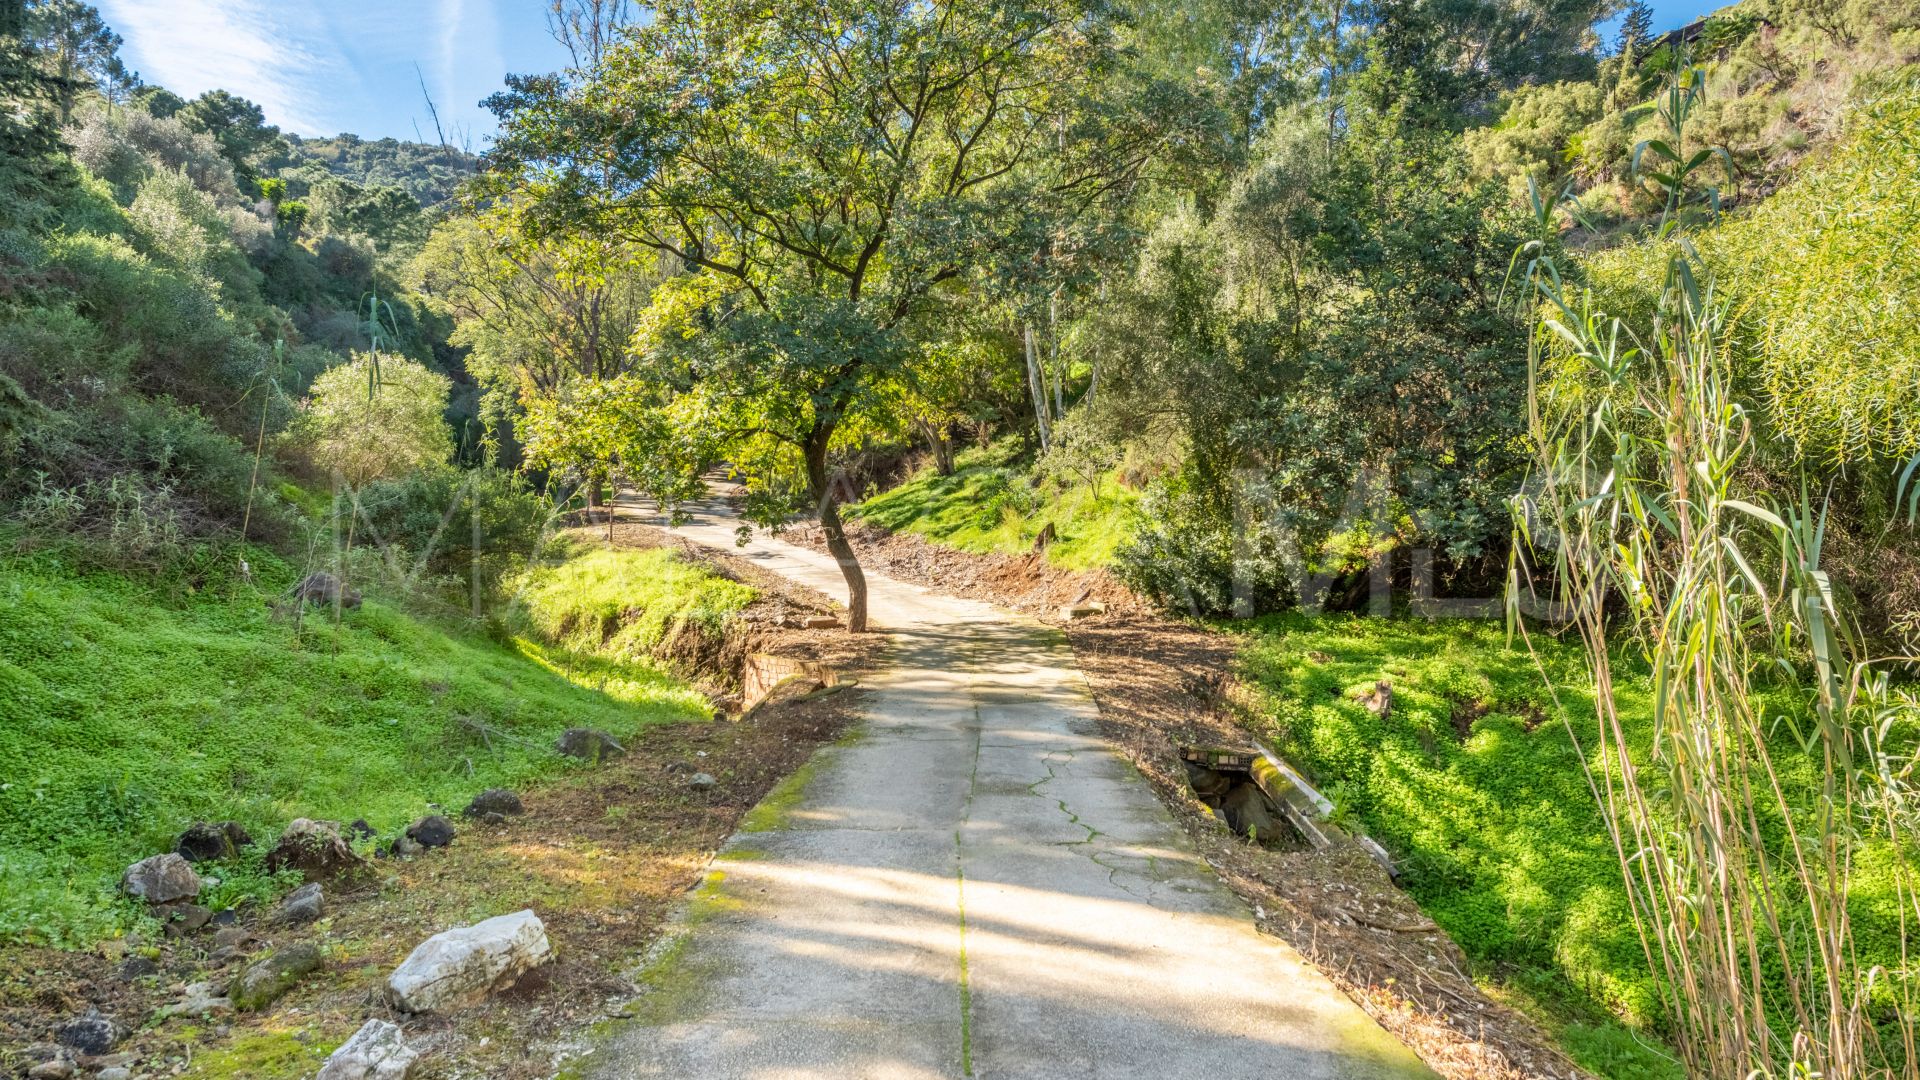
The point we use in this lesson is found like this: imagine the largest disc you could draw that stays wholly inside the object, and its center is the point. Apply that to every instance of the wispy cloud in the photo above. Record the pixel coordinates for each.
(274, 54)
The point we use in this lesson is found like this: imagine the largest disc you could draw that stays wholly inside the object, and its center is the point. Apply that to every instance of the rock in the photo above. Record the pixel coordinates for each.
(225, 917)
(315, 848)
(589, 745)
(431, 831)
(406, 847)
(161, 879)
(494, 801)
(378, 1051)
(57, 1069)
(182, 919)
(205, 841)
(114, 1072)
(818, 622)
(137, 967)
(230, 937)
(461, 966)
(301, 906)
(360, 830)
(266, 980)
(702, 781)
(198, 999)
(1379, 700)
(92, 1033)
(491, 818)
(1082, 610)
(326, 590)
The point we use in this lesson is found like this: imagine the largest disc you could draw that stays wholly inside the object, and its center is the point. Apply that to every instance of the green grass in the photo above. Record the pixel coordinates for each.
(125, 716)
(987, 507)
(1497, 831)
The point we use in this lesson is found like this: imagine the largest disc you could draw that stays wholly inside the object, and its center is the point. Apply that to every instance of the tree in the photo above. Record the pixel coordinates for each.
(820, 170)
(238, 125)
(371, 421)
(79, 49)
(1636, 29)
(157, 101)
(587, 27)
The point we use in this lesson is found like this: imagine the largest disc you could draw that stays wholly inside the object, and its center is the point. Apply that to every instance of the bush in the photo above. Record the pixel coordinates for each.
(427, 519)
(374, 419)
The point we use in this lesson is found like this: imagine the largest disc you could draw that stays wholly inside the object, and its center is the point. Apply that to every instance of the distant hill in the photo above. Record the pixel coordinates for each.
(428, 173)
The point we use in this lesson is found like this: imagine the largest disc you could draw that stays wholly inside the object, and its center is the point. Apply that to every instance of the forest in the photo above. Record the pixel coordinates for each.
(1562, 373)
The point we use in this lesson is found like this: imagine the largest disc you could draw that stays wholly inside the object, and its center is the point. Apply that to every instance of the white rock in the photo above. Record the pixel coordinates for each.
(378, 1051)
(161, 879)
(461, 966)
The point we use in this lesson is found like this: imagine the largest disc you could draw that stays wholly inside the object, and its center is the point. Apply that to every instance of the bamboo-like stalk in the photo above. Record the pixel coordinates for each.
(1731, 869)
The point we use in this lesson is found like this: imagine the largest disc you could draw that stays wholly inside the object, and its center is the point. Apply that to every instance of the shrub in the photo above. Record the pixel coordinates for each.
(476, 526)
(372, 420)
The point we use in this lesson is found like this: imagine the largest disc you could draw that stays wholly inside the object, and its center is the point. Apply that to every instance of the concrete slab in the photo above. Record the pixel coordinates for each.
(976, 887)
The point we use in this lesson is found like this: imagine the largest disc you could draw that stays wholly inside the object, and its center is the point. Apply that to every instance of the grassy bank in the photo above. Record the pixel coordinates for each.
(126, 714)
(1475, 783)
(990, 506)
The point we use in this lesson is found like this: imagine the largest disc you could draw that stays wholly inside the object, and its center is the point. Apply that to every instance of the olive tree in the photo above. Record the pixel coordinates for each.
(820, 170)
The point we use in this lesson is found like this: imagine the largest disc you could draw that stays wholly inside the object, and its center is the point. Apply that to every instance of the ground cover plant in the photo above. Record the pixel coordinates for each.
(127, 714)
(987, 505)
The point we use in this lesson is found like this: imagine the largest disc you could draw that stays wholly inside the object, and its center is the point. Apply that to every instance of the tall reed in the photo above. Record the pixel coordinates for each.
(1739, 829)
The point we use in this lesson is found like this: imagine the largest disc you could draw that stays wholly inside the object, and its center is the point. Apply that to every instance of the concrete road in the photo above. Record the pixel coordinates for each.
(974, 884)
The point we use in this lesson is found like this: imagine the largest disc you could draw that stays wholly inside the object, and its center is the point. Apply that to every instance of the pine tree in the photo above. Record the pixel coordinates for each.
(1635, 29)
(79, 49)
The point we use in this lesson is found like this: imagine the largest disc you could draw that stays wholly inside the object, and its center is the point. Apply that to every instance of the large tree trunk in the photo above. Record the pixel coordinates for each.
(829, 503)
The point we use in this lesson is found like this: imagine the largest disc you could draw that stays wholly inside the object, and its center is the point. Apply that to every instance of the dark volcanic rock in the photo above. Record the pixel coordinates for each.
(431, 831)
(205, 841)
(302, 905)
(494, 801)
(93, 1033)
(590, 745)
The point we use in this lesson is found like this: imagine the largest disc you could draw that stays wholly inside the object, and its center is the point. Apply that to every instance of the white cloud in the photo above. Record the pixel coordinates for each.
(278, 55)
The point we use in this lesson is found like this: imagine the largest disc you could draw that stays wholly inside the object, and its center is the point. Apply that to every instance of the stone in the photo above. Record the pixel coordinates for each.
(230, 937)
(819, 622)
(92, 1033)
(1082, 610)
(326, 590)
(301, 906)
(492, 818)
(182, 919)
(702, 781)
(406, 847)
(589, 745)
(138, 967)
(161, 879)
(198, 999)
(360, 830)
(226, 917)
(114, 1072)
(266, 980)
(462, 966)
(206, 841)
(378, 1051)
(494, 801)
(315, 848)
(431, 831)
(57, 1069)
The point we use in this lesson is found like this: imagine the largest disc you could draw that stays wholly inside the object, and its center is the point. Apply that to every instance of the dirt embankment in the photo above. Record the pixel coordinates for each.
(1162, 684)
(601, 854)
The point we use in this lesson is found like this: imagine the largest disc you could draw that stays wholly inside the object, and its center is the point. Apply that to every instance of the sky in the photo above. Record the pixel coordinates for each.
(321, 67)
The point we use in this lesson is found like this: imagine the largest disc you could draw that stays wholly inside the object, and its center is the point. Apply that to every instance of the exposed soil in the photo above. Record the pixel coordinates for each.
(602, 855)
(1161, 685)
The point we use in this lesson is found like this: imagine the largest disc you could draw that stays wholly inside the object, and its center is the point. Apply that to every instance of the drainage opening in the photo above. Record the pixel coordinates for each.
(1224, 781)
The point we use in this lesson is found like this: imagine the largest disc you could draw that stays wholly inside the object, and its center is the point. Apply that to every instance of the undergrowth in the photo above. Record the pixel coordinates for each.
(127, 713)
(1474, 783)
(989, 506)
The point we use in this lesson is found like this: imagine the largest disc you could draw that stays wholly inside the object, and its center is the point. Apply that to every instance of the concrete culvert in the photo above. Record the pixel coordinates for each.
(1227, 789)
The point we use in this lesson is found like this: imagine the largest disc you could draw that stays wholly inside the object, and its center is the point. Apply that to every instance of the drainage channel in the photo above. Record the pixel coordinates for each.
(1224, 781)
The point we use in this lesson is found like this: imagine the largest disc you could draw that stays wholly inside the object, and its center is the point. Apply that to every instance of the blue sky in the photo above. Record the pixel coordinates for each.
(320, 67)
